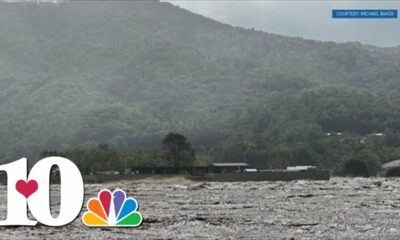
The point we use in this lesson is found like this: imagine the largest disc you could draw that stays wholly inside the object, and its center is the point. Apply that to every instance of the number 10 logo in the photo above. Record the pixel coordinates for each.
(33, 191)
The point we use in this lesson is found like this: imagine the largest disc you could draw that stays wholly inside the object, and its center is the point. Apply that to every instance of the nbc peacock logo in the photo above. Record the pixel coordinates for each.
(112, 209)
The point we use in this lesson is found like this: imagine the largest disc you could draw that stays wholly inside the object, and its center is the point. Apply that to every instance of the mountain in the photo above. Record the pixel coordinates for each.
(77, 74)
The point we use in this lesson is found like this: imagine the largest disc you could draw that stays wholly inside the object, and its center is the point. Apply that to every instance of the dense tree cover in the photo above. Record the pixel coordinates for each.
(174, 151)
(123, 74)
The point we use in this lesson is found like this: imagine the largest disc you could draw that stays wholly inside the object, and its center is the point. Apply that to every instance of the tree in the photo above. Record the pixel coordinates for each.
(356, 168)
(105, 158)
(303, 155)
(177, 150)
(371, 158)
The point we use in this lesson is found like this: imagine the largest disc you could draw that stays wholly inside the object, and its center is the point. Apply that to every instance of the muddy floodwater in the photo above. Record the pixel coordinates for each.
(176, 208)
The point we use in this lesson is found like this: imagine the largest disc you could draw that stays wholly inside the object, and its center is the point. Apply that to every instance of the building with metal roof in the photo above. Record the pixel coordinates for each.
(227, 167)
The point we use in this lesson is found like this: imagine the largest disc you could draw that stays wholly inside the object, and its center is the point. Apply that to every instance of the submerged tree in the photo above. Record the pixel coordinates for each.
(177, 150)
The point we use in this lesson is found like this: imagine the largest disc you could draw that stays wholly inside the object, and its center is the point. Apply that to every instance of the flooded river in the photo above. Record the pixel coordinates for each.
(176, 208)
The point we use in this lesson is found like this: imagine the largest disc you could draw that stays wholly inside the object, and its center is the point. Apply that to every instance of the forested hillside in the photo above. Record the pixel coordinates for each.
(80, 74)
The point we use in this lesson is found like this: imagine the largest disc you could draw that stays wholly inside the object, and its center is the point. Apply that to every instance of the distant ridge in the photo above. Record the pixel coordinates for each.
(77, 74)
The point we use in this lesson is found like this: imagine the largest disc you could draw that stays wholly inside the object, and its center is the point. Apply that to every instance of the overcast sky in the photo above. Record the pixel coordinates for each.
(307, 19)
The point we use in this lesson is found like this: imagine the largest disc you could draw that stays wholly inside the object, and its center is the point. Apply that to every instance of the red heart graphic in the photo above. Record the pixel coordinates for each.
(26, 188)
